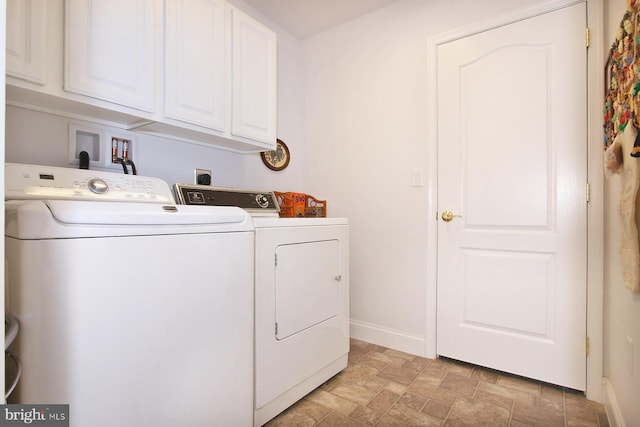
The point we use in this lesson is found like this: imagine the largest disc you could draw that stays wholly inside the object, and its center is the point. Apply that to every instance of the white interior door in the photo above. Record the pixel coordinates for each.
(512, 163)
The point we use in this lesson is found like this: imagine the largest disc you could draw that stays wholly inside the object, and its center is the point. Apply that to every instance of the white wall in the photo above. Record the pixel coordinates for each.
(39, 138)
(622, 308)
(366, 130)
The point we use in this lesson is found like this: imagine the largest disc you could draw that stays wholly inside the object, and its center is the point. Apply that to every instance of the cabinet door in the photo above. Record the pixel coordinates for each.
(110, 50)
(253, 79)
(308, 291)
(194, 62)
(26, 39)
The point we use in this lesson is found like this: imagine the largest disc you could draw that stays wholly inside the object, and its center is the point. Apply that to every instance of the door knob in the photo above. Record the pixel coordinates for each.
(447, 216)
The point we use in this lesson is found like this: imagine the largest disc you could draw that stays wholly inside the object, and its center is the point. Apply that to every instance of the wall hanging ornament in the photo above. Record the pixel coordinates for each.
(277, 159)
(622, 80)
(622, 139)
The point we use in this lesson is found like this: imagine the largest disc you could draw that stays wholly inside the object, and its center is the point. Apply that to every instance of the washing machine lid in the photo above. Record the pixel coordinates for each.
(93, 213)
(44, 219)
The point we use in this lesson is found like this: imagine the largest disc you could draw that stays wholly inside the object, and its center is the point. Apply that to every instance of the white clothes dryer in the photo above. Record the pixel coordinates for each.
(302, 308)
(135, 311)
(301, 297)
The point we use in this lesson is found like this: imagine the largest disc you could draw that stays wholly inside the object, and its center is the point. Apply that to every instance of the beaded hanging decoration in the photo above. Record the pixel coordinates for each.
(622, 85)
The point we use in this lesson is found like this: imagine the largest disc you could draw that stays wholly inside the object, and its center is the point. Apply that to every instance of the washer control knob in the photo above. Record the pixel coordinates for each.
(262, 201)
(98, 186)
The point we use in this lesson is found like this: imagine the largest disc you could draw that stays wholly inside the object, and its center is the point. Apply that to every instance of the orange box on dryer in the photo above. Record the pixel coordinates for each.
(291, 204)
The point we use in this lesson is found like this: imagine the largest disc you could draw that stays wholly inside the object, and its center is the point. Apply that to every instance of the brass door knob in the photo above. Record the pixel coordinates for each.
(447, 216)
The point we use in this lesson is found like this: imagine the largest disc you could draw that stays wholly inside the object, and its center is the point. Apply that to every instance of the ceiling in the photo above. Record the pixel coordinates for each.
(304, 18)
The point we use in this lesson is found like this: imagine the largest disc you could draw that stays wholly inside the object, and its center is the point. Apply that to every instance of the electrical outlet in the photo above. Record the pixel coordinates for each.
(202, 176)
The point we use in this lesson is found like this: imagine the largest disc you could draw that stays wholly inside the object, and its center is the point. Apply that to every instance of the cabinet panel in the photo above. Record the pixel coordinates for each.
(110, 50)
(308, 291)
(195, 62)
(254, 79)
(26, 39)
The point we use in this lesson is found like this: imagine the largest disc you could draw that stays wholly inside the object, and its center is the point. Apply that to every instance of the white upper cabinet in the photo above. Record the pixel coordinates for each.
(111, 50)
(220, 73)
(254, 79)
(198, 71)
(26, 40)
(195, 62)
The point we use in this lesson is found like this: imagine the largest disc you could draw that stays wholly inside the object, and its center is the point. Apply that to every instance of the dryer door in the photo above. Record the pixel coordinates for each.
(307, 285)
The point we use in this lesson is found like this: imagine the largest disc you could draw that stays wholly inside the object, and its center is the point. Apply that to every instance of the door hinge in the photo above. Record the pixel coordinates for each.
(276, 328)
(586, 346)
(587, 36)
(275, 260)
(588, 192)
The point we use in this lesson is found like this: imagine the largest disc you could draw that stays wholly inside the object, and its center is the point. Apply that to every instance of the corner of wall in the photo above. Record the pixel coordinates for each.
(386, 337)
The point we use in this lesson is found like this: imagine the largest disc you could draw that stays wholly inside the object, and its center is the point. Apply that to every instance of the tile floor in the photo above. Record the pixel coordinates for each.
(383, 387)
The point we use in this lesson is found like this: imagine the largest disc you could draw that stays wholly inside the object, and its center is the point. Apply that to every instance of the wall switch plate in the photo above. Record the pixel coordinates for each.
(417, 177)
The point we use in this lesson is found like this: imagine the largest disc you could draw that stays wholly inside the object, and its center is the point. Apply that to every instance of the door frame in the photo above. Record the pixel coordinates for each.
(595, 177)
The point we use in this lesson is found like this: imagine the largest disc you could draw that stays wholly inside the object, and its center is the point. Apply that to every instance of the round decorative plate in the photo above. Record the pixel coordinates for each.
(277, 159)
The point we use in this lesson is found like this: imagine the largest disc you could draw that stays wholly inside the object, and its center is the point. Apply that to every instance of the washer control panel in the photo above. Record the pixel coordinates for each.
(249, 200)
(24, 181)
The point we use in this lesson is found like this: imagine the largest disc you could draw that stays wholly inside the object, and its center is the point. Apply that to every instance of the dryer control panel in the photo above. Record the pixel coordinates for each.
(206, 195)
(24, 181)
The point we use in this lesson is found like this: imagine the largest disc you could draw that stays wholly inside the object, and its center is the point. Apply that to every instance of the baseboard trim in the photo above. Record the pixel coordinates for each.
(397, 340)
(614, 415)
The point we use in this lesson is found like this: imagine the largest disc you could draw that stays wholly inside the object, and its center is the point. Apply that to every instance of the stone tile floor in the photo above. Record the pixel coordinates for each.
(385, 388)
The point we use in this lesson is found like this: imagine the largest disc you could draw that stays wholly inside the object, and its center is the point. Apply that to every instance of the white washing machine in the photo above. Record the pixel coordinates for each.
(133, 310)
(301, 297)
